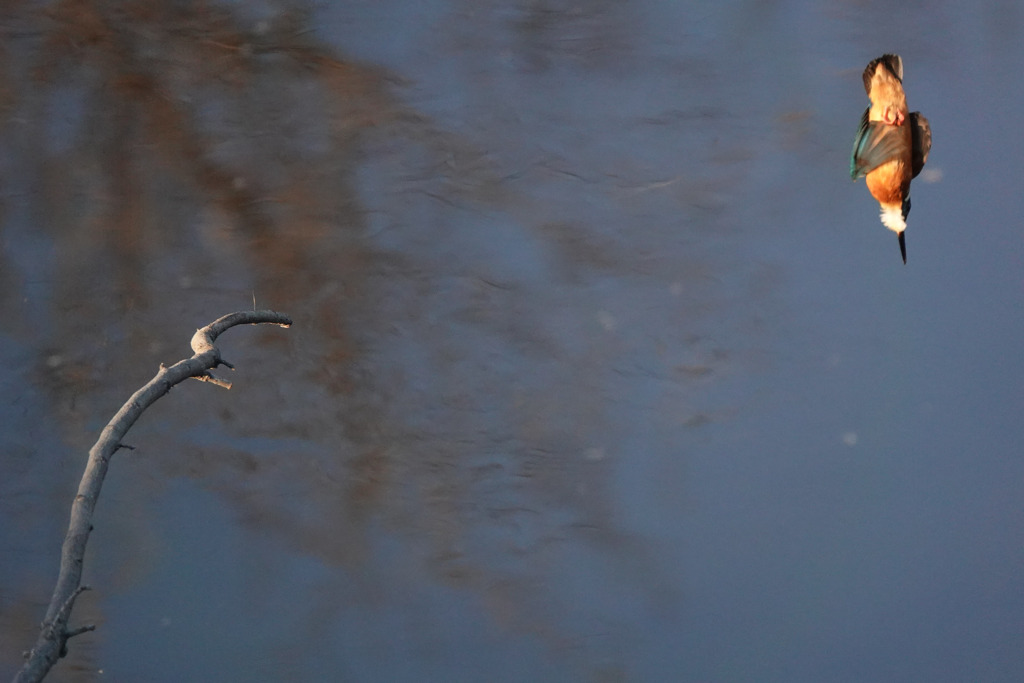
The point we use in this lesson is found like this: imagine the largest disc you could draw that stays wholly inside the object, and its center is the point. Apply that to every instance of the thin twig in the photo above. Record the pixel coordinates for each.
(51, 644)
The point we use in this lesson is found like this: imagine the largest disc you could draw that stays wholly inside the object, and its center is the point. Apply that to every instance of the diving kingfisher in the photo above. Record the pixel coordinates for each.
(892, 143)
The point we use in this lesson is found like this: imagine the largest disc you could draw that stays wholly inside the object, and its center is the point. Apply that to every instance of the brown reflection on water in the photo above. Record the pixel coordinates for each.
(181, 162)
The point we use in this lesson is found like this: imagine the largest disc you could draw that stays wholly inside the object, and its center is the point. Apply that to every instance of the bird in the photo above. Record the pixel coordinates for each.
(892, 144)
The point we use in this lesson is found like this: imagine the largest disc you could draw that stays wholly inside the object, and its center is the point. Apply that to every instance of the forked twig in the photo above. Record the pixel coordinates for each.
(51, 644)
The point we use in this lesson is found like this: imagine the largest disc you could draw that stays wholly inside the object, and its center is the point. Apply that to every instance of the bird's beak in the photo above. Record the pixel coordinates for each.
(903, 246)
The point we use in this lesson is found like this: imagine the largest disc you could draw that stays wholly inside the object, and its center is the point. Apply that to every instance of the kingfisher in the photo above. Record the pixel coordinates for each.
(892, 144)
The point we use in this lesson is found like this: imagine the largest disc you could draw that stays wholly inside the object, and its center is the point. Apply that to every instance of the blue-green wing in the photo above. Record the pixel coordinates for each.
(876, 143)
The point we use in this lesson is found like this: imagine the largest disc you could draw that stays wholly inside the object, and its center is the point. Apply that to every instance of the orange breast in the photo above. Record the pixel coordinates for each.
(890, 182)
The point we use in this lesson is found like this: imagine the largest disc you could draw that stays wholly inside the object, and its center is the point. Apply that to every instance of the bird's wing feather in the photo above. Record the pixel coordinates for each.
(876, 143)
(894, 63)
(921, 133)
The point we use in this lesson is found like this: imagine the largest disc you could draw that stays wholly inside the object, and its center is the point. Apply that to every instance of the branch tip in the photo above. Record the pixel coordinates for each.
(208, 376)
(79, 631)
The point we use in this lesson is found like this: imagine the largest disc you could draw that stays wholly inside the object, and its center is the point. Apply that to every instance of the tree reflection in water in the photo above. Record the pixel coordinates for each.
(494, 328)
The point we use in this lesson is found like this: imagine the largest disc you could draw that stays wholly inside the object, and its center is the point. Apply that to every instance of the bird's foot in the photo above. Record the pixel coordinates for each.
(893, 116)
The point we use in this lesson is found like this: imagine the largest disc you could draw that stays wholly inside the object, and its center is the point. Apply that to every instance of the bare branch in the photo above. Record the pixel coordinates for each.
(213, 379)
(51, 644)
(77, 632)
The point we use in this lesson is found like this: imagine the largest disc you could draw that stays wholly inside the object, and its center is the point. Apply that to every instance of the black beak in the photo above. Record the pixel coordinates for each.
(903, 246)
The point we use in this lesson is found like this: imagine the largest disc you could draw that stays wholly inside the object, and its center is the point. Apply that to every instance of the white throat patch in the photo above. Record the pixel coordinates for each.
(892, 218)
